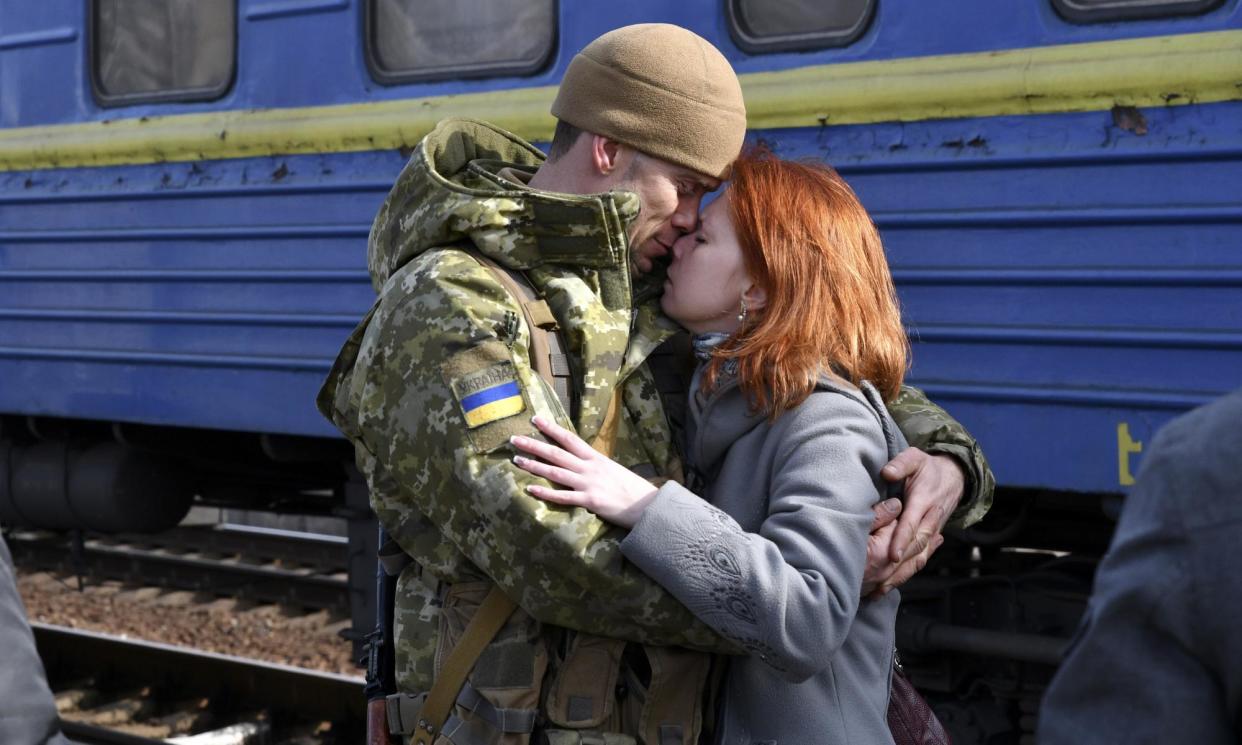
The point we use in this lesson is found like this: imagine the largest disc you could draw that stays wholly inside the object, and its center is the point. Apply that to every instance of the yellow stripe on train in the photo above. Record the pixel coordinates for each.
(1155, 71)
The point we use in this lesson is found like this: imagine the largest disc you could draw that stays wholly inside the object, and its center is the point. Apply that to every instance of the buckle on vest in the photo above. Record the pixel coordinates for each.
(403, 712)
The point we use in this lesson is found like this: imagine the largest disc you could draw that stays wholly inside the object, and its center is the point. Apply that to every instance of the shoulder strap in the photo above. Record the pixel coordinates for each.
(547, 351)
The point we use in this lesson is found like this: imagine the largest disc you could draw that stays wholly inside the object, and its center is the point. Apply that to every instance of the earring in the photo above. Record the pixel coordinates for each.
(741, 317)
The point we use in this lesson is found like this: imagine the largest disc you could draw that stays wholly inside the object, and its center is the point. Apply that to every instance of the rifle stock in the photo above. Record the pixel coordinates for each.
(377, 723)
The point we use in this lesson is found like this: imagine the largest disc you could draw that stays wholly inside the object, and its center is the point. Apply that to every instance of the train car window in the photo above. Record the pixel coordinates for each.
(162, 50)
(1095, 11)
(427, 39)
(786, 25)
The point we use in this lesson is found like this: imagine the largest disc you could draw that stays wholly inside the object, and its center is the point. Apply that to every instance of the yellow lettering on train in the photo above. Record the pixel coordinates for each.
(1126, 447)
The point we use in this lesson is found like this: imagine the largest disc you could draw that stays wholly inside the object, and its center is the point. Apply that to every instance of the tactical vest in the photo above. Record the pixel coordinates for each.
(587, 690)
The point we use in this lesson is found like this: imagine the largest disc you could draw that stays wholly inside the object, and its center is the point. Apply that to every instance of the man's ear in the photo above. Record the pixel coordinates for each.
(605, 154)
(754, 296)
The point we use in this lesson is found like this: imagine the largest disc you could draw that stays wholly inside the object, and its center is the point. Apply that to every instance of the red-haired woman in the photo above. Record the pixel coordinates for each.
(787, 291)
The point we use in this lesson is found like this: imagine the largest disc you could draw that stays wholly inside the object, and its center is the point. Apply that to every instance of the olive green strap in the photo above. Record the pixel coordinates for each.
(482, 628)
(606, 439)
(547, 350)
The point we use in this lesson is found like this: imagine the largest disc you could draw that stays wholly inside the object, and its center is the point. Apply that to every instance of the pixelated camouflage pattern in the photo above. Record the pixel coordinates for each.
(930, 428)
(450, 495)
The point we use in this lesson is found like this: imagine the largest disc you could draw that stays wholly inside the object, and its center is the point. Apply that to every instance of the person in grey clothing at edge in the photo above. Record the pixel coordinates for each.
(27, 711)
(1157, 657)
(787, 291)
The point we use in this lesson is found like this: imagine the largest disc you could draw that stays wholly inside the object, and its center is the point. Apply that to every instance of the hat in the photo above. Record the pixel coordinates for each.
(660, 89)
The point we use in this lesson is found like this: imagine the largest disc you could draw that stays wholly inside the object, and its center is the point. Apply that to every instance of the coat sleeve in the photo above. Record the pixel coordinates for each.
(1155, 658)
(442, 381)
(930, 428)
(788, 593)
(27, 711)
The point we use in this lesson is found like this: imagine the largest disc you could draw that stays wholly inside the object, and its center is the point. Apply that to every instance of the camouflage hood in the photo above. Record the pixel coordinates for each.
(452, 191)
(573, 249)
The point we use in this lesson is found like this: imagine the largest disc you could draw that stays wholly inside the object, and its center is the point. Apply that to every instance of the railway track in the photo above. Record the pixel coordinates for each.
(114, 689)
(127, 692)
(265, 565)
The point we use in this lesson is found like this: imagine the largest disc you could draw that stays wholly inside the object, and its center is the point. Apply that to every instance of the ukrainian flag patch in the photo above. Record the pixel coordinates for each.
(489, 394)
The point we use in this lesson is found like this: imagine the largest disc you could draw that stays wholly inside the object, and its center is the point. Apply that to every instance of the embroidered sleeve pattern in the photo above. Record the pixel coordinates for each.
(713, 572)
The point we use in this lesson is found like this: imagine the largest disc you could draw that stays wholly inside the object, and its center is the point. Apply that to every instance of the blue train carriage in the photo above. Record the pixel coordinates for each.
(186, 188)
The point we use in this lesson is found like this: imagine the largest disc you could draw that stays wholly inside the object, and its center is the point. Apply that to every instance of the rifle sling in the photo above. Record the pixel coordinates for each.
(393, 558)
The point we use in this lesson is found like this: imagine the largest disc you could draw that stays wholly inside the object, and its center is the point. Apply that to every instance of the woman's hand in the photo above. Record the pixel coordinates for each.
(592, 480)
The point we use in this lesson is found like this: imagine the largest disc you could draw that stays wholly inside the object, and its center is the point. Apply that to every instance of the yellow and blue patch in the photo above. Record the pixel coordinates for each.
(488, 393)
(493, 403)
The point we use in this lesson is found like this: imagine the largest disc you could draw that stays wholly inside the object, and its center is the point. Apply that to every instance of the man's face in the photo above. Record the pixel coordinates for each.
(670, 197)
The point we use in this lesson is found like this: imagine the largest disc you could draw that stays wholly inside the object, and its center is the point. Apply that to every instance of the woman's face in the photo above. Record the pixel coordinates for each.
(707, 277)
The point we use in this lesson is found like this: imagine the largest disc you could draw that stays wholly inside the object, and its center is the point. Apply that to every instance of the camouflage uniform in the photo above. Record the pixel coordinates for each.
(443, 331)
(929, 428)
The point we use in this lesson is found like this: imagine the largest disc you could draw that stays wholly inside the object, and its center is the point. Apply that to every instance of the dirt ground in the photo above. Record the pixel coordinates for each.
(224, 625)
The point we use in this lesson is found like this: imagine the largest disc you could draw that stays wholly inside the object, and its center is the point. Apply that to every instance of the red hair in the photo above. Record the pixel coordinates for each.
(831, 306)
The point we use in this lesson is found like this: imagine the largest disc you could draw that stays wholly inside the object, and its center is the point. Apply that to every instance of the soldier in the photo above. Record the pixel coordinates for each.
(438, 376)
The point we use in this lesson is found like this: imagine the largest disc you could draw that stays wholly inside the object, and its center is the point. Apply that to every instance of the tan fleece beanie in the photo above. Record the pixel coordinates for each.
(661, 89)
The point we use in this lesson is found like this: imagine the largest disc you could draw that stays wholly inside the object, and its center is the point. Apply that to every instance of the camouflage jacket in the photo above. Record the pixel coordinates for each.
(435, 380)
(928, 427)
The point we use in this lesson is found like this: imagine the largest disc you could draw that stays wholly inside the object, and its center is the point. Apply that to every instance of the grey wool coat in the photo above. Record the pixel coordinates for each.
(772, 557)
(1158, 656)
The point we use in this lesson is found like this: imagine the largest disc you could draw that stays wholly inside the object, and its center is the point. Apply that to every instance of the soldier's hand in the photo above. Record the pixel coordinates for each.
(882, 573)
(934, 486)
(591, 479)
(879, 567)
(898, 573)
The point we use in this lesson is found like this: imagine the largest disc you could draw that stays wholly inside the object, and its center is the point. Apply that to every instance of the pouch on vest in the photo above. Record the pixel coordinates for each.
(498, 705)
(583, 693)
(667, 708)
